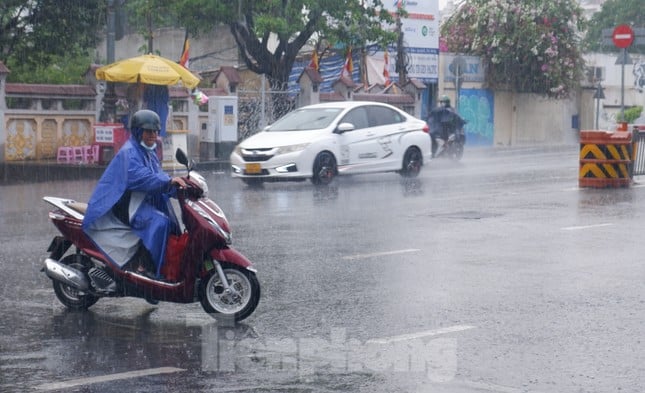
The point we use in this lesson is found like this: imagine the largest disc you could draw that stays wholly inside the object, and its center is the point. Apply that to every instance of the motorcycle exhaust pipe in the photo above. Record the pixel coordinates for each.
(65, 274)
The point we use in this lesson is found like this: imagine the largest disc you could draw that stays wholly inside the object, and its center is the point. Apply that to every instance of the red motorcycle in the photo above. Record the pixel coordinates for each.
(199, 264)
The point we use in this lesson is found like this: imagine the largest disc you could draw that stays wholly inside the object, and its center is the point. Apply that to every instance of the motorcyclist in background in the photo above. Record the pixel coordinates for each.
(443, 121)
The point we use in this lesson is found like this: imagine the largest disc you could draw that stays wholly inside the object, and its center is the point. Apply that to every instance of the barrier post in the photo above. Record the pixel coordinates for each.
(606, 159)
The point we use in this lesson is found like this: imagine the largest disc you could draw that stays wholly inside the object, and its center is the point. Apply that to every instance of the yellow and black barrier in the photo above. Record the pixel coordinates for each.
(606, 159)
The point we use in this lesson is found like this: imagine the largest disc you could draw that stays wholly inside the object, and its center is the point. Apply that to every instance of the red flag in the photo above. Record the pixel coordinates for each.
(184, 59)
(314, 61)
(348, 68)
(386, 72)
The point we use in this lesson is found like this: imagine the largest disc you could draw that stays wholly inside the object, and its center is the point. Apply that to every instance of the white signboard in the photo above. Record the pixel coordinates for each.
(104, 134)
(420, 37)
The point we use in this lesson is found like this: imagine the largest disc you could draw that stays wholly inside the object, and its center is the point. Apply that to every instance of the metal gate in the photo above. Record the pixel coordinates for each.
(259, 108)
(639, 153)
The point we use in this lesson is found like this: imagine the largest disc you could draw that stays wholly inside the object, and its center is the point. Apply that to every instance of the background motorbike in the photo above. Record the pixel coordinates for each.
(447, 129)
(199, 266)
(452, 147)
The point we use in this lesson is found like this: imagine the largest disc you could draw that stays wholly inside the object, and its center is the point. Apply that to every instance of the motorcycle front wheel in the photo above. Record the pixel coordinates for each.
(457, 152)
(71, 297)
(242, 299)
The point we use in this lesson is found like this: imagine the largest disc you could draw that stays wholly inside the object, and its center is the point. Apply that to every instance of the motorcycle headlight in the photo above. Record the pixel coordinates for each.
(292, 148)
(199, 179)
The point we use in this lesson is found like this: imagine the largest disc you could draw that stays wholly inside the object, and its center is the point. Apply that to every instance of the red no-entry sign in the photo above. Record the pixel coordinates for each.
(623, 36)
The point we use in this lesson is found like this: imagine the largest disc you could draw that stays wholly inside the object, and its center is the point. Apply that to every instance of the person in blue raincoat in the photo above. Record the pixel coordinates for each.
(129, 216)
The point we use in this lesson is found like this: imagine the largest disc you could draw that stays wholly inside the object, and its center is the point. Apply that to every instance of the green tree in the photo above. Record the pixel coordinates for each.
(612, 14)
(271, 33)
(146, 15)
(528, 46)
(37, 35)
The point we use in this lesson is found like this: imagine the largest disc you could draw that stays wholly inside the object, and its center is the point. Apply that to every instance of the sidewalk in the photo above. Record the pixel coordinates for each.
(12, 172)
(49, 170)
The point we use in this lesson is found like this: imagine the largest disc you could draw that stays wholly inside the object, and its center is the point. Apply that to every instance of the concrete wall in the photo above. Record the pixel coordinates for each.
(612, 75)
(208, 52)
(529, 119)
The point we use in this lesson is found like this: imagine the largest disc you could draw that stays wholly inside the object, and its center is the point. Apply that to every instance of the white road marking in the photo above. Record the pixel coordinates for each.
(487, 387)
(108, 378)
(577, 228)
(378, 254)
(427, 333)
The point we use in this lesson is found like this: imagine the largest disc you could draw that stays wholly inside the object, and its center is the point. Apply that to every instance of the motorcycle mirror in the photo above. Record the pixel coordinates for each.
(183, 159)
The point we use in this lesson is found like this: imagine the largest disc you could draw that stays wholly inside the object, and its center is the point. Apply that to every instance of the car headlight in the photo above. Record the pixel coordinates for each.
(292, 148)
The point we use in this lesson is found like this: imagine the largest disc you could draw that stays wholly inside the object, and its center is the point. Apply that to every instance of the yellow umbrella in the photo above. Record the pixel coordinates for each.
(149, 69)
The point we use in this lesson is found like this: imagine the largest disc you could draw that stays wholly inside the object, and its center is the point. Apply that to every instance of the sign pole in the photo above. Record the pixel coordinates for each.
(623, 36)
(597, 112)
(622, 86)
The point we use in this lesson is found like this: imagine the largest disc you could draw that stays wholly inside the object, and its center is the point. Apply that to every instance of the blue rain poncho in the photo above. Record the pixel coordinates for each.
(151, 218)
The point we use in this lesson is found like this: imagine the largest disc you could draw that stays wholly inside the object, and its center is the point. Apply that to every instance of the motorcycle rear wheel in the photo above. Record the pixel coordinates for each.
(71, 297)
(214, 301)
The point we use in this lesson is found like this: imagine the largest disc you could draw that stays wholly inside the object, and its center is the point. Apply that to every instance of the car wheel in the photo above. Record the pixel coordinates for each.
(324, 169)
(412, 161)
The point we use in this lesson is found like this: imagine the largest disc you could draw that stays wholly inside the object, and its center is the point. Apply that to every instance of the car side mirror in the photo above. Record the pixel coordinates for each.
(344, 127)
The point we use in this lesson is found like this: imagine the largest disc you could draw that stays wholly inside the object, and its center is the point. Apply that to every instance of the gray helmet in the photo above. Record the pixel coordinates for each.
(145, 120)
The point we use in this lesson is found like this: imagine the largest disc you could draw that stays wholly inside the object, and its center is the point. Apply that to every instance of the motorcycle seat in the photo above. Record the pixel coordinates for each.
(78, 206)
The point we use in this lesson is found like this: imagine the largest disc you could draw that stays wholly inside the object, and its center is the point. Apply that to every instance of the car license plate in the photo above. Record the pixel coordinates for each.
(253, 169)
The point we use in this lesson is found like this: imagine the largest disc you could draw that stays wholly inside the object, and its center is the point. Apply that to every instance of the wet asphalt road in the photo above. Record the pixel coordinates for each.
(495, 275)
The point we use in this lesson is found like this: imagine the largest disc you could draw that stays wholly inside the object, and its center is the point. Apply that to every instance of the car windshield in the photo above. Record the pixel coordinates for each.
(305, 119)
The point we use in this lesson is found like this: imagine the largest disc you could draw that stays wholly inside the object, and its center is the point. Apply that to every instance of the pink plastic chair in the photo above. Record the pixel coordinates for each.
(77, 154)
(65, 154)
(91, 154)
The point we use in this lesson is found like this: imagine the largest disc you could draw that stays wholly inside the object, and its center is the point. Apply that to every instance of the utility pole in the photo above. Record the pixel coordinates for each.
(149, 23)
(109, 99)
(401, 66)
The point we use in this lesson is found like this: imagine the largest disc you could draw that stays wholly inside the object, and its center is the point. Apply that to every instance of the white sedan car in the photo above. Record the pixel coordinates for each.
(321, 141)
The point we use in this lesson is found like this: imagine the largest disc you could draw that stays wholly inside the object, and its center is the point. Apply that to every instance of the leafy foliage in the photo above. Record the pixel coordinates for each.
(59, 71)
(612, 14)
(529, 46)
(632, 114)
(41, 35)
(146, 15)
(271, 33)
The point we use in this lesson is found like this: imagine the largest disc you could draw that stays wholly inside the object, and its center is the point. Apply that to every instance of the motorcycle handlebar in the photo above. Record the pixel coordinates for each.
(192, 189)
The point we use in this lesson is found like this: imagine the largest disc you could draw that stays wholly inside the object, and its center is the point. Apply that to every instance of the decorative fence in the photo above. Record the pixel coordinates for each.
(258, 108)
